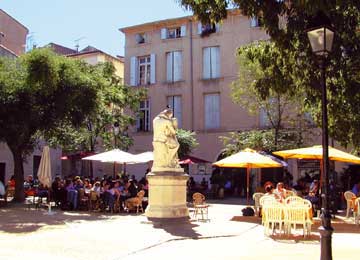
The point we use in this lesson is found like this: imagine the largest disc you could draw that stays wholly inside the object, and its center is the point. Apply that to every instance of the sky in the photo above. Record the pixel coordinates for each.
(91, 22)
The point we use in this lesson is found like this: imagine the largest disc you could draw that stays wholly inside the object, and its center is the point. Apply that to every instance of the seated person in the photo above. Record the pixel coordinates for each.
(72, 194)
(313, 195)
(132, 189)
(204, 184)
(356, 189)
(29, 186)
(97, 188)
(59, 191)
(280, 191)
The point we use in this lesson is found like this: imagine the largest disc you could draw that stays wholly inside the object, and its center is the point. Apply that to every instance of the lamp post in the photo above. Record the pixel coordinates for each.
(321, 38)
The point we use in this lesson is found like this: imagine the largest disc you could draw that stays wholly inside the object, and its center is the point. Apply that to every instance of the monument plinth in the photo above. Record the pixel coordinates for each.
(167, 180)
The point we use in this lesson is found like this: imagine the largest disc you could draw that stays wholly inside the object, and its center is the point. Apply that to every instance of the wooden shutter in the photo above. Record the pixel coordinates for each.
(212, 111)
(152, 69)
(163, 33)
(169, 67)
(206, 62)
(215, 62)
(199, 28)
(183, 31)
(133, 71)
(177, 59)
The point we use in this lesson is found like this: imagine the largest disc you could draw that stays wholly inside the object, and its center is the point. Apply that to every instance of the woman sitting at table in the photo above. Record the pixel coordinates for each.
(280, 191)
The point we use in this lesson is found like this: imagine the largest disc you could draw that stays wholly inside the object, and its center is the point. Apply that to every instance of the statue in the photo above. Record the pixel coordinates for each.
(165, 143)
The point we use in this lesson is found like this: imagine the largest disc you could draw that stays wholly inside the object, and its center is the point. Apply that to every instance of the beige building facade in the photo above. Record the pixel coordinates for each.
(190, 67)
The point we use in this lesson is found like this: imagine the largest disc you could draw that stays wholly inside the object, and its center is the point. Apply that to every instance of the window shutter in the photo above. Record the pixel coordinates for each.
(177, 109)
(199, 28)
(169, 67)
(216, 111)
(212, 111)
(163, 33)
(254, 21)
(133, 71)
(206, 63)
(215, 62)
(183, 31)
(152, 69)
(217, 27)
(177, 65)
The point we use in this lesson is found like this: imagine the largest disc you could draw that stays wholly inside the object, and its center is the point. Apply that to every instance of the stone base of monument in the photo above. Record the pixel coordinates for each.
(167, 196)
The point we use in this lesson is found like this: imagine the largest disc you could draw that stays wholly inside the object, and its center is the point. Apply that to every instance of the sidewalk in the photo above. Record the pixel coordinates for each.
(32, 234)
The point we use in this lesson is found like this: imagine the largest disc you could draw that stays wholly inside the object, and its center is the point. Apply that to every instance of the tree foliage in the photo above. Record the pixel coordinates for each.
(116, 104)
(37, 91)
(286, 23)
(187, 141)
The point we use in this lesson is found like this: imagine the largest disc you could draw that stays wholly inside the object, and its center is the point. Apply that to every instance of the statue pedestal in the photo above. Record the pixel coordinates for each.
(167, 196)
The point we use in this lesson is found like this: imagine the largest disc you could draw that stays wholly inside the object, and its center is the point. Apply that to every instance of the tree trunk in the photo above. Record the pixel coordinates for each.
(19, 175)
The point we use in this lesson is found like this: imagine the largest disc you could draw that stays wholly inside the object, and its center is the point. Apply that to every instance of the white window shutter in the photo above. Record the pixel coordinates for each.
(177, 65)
(183, 31)
(152, 69)
(169, 67)
(216, 111)
(177, 109)
(254, 21)
(199, 27)
(215, 62)
(163, 33)
(212, 111)
(217, 27)
(206, 63)
(133, 71)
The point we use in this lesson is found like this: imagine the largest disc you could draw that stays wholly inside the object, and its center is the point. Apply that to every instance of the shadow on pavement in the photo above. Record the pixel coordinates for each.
(16, 219)
(183, 229)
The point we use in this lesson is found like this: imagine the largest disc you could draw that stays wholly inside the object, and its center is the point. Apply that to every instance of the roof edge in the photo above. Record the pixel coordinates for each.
(27, 30)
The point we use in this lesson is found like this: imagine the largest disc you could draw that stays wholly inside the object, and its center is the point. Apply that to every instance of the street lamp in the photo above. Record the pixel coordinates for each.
(321, 37)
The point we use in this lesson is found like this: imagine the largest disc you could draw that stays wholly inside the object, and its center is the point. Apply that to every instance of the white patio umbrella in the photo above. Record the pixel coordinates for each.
(143, 157)
(113, 156)
(44, 172)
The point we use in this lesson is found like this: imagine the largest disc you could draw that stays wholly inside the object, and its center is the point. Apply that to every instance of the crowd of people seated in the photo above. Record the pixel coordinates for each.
(110, 192)
(67, 193)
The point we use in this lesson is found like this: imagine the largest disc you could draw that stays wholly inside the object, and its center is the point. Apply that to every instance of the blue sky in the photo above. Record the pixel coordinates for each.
(95, 22)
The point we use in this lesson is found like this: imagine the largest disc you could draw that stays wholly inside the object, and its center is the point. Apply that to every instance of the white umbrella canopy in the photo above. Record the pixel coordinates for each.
(143, 157)
(44, 172)
(115, 156)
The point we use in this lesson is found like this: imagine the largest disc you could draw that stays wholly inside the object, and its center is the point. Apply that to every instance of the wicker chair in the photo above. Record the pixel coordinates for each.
(296, 214)
(357, 211)
(272, 214)
(136, 202)
(94, 201)
(349, 197)
(256, 198)
(84, 201)
(200, 207)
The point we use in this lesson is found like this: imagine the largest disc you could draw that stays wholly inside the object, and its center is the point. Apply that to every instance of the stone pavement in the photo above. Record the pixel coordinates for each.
(32, 234)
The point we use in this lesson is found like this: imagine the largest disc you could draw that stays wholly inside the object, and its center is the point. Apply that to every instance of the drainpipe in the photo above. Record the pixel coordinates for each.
(192, 77)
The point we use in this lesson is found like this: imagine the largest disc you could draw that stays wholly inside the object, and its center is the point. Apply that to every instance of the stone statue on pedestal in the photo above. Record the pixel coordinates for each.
(165, 143)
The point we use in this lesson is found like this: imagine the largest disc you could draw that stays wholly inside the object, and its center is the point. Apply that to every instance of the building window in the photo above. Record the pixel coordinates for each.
(173, 66)
(140, 38)
(174, 102)
(142, 70)
(264, 119)
(211, 62)
(172, 33)
(143, 120)
(207, 29)
(212, 111)
(256, 21)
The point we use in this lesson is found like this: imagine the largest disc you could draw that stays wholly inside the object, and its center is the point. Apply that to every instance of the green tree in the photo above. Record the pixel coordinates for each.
(187, 141)
(286, 24)
(117, 104)
(37, 91)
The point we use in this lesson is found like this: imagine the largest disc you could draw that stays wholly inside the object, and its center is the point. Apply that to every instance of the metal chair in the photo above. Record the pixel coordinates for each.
(200, 207)
(349, 197)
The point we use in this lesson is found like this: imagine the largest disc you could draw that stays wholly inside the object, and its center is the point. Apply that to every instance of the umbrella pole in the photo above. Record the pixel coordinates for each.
(114, 170)
(247, 185)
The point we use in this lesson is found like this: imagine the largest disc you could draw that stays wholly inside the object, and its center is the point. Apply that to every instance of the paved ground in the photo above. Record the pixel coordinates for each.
(32, 234)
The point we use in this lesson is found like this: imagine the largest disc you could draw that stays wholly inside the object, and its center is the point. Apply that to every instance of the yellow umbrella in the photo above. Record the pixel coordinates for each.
(316, 153)
(248, 159)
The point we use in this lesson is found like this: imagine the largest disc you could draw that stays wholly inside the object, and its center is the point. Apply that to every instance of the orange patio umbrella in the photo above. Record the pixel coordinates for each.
(316, 153)
(248, 159)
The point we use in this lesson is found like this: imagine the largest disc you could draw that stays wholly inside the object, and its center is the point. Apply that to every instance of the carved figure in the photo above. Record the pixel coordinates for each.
(165, 142)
